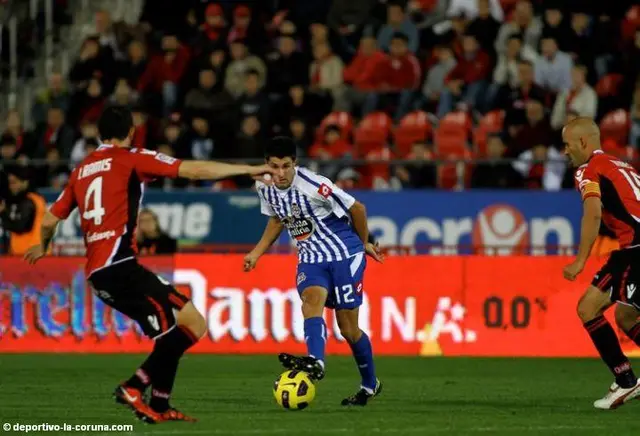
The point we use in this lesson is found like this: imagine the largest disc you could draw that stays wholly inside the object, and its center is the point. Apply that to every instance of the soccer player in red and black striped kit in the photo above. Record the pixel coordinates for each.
(610, 192)
(107, 188)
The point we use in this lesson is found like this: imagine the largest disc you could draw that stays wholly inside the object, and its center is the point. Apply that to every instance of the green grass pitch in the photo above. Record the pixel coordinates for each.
(232, 395)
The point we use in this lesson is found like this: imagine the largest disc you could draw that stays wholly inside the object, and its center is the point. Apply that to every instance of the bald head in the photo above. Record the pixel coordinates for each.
(581, 138)
(585, 127)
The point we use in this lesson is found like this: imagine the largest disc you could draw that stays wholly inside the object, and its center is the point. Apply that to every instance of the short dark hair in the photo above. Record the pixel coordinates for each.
(333, 128)
(280, 147)
(252, 72)
(8, 139)
(400, 35)
(517, 36)
(115, 123)
(19, 171)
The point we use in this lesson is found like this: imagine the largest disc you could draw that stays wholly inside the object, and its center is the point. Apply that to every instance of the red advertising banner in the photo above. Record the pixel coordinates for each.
(414, 305)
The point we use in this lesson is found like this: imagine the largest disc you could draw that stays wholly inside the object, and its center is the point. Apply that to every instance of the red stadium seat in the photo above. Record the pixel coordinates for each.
(344, 120)
(448, 174)
(373, 173)
(609, 85)
(453, 125)
(624, 152)
(615, 125)
(492, 122)
(450, 145)
(413, 127)
(372, 133)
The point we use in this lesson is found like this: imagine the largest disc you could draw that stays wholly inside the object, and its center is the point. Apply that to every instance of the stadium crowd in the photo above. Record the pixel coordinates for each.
(421, 80)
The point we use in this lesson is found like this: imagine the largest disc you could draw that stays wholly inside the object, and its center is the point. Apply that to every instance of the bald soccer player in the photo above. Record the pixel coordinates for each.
(610, 192)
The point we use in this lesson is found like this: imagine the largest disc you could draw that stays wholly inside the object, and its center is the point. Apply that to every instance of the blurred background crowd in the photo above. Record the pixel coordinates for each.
(382, 94)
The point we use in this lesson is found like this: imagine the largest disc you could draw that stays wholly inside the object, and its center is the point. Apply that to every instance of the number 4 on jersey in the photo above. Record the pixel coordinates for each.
(634, 180)
(97, 212)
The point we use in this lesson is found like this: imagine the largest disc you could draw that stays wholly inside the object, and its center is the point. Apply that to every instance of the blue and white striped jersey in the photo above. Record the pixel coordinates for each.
(316, 214)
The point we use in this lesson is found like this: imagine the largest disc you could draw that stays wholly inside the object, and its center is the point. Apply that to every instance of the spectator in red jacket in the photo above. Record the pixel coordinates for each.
(363, 75)
(467, 82)
(213, 31)
(400, 79)
(165, 71)
(333, 145)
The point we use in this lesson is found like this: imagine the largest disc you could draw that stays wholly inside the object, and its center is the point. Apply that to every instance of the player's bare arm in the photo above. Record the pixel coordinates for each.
(359, 218)
(48, 229)
(592, 214)
(271, 233)
(203, 170)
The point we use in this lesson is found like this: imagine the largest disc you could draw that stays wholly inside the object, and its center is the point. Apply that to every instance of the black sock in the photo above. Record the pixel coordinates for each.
(140, 379)
(170, 349)
(634, 334)
(607, 344)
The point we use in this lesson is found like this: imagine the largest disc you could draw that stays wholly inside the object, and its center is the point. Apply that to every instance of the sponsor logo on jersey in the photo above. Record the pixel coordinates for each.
(300, 229)
(631, 289)
(100, 236)
(165, 159)
(153, 322)
(95, 167)
(325, 191)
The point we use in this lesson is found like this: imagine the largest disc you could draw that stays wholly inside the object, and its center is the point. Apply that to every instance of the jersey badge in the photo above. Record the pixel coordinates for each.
(165, 158)
(295, 210)
(325, 191)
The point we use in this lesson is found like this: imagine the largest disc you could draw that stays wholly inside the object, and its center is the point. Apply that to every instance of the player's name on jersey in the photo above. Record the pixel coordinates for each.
(95, 167)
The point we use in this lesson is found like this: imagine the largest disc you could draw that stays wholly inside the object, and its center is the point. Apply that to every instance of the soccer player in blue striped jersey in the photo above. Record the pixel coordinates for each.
(331, 233)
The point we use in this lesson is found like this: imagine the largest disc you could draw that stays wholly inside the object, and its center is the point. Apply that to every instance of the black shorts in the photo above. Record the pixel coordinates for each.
(138, 293)
(620, 277)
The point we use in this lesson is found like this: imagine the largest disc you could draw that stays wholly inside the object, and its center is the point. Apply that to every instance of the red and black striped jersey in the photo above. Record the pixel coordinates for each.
(617, 184)
(107, 188)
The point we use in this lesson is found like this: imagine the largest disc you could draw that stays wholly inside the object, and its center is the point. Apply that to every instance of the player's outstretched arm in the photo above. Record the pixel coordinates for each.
(271, 233)
(204, 170)
(48, 230)
(359, 218)
(592, 214)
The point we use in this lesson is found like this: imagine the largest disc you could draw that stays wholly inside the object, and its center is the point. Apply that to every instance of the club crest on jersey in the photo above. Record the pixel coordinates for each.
(325, 190)
(295, 210)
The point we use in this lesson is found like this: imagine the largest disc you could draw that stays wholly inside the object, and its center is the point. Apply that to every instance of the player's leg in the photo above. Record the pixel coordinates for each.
(189, 327)
(628, 319)
(591, 308)
(362, 351)
(315, 328)
(312, 282)
(112, 286)
(346, 297)
(171, 320)
(178, 326)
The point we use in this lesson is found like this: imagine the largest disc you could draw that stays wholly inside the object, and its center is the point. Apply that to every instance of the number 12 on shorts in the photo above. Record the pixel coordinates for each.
(344, 294)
